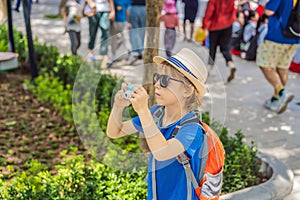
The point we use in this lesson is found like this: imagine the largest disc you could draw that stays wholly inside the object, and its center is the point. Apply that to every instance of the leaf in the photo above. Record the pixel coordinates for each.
(11, 123)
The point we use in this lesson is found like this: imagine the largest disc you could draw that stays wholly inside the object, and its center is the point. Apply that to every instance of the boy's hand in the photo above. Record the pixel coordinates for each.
(120, 101)
(139, 99)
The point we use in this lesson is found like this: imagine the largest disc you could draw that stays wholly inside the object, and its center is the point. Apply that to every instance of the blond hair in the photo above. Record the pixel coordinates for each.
(192, 102)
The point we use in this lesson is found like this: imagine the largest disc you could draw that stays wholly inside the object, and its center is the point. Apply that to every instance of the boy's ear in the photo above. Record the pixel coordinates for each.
(189, 91)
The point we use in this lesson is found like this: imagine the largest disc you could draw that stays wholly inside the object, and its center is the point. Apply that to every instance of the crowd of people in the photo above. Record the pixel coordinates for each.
(249, 30)
(114, 17)
(237, 29)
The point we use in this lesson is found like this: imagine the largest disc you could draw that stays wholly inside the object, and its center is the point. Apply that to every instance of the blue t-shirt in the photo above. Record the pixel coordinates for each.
(170, 175)
(120, 9)
(282, 9)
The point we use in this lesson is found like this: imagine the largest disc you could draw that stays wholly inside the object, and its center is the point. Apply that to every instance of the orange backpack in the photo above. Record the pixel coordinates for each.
(212, 160)
(211, 169)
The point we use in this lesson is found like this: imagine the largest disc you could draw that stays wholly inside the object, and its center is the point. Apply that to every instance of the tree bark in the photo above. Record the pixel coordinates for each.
(154, 8)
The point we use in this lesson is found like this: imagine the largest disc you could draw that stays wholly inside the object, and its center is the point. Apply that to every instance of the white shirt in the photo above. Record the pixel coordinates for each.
(102, 5)
(74, 16)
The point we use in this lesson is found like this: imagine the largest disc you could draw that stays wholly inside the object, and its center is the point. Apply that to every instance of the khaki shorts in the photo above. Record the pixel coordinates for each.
(275, 55)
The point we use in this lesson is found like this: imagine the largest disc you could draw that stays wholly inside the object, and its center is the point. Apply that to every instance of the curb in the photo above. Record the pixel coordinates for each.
(278, 187)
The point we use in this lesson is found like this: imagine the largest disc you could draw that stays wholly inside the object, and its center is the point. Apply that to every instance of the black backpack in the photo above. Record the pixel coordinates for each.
(252, 48)
(292, 30)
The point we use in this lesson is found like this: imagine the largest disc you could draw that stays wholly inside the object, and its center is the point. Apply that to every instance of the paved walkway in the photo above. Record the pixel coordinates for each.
(239, 105)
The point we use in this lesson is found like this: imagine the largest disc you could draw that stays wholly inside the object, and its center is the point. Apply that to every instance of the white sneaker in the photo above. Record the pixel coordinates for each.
(272, 105)
(284, 100)
(280, 105)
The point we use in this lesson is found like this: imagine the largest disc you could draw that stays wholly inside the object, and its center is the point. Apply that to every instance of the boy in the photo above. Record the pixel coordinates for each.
(177, 91)
(118, 25)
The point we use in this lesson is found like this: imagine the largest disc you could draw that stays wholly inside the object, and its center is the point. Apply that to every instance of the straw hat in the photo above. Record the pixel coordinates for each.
(190, 65)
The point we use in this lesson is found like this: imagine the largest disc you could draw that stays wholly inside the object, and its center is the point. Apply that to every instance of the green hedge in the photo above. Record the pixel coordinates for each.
(74, 179)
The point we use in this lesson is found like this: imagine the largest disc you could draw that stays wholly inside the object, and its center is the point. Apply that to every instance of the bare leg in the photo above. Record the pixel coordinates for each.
(283, 74)
(273, 78)
(184, 30)
(192, 30)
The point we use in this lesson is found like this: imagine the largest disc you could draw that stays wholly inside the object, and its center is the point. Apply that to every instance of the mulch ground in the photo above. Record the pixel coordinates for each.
(29, 128)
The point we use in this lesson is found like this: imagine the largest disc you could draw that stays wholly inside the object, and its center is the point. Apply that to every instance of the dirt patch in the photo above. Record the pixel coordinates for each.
(29, 128)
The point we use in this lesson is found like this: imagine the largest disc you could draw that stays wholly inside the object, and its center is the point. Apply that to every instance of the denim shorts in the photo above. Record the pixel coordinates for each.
(275, 55)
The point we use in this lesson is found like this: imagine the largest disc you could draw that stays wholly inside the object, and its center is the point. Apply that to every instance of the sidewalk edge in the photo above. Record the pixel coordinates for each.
(279, 186)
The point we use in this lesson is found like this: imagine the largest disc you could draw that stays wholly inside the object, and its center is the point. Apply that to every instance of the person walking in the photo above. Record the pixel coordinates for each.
(218, 19)
(177, 91)
(118, 25)
(275, 54)
(72, 15)
(103, 12)
(190, 12)
(137, 24)
(171, 21)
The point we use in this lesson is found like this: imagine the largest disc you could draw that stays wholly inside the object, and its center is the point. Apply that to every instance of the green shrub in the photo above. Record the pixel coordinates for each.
(3, 39)
(19, 40)
(46, 57)
(66, 68)
(241, 162)
(51, 89)
(75, 179)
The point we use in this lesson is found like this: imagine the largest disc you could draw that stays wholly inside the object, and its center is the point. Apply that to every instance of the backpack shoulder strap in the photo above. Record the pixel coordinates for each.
(190, 177)
(185, 160)
(195, 119)
(158, 114)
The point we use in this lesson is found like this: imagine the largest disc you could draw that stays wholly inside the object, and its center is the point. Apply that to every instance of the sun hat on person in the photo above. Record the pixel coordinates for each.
(190, 65)
(170, 7)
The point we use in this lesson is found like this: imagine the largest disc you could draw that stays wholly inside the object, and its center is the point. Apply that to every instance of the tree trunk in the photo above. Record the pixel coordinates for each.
(11, 40)
(154, 8)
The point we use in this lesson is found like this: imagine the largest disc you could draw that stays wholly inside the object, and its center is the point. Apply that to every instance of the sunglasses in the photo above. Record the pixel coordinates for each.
(163, 79)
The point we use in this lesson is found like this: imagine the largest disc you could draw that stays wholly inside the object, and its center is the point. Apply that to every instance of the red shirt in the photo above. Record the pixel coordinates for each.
(170, 20)
(219, 14)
